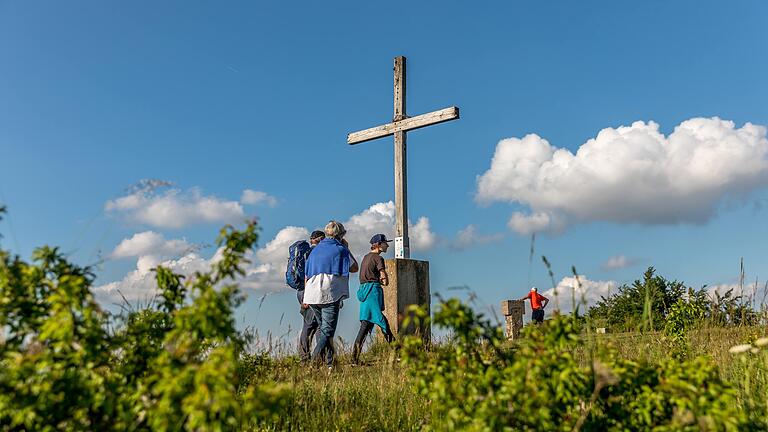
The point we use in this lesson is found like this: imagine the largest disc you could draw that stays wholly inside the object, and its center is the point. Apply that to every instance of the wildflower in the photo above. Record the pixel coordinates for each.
(738, 349)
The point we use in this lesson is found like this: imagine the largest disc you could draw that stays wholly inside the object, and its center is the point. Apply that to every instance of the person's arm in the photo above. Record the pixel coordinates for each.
(384, 277)
(353, 268)
(525, 297)
(546, 302)
(381, 267)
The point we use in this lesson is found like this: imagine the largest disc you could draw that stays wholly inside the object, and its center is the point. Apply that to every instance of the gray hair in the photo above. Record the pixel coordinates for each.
(335, 230)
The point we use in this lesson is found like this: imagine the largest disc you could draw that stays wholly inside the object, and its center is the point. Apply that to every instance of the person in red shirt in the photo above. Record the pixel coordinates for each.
(538, 303)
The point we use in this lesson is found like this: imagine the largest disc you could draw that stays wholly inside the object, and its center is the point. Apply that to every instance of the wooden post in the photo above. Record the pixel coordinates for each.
(402, 244)
(408, 279)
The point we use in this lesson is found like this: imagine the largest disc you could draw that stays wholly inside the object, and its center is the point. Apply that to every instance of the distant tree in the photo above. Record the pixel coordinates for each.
(644, 305)
(731, 309)
(647, 304)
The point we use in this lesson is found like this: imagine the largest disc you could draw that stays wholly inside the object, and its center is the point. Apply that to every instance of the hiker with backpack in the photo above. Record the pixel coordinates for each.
(295, 278)
(327, 285)
(373, 275)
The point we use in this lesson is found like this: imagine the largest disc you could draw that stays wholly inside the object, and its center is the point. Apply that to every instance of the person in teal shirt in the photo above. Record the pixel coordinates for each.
(373, 275)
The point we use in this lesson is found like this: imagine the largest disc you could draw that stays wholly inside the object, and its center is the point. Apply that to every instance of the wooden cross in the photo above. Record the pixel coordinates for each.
(400, 124)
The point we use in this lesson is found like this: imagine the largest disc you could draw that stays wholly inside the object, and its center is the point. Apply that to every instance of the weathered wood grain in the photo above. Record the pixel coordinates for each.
(410, 123)
(401, 162)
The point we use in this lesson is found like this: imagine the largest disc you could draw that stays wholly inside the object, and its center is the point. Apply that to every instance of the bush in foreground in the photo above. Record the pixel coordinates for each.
(170, 366)
(477, 383)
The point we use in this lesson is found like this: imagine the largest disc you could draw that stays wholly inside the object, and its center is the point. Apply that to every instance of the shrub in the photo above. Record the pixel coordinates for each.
(475, 383)
(67, 365)
(642, 305)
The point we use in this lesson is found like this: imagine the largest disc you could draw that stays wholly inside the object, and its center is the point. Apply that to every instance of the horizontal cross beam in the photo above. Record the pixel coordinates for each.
(405, 124)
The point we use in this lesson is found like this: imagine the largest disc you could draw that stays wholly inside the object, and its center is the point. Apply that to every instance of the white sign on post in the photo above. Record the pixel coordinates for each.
(399, 249)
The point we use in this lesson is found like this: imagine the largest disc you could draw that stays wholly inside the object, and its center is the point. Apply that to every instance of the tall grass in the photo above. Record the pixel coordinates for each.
(381, 396)
(378, 396)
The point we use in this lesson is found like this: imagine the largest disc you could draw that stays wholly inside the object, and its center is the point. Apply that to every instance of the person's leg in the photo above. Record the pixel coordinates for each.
(331, 317)
(388, 336)
(327, 315)
(307, 332)
(321, 337)
(365, 330)
(312, 327)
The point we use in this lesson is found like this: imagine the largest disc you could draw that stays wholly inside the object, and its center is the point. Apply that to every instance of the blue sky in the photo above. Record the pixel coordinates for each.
(222, 98)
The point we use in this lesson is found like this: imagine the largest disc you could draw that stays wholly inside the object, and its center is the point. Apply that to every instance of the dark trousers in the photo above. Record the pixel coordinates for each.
(308, 329)
(365, 329)
(537, 315)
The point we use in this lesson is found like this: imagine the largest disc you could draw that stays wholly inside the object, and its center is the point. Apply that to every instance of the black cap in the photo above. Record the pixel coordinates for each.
(317, 234)
(379, 238)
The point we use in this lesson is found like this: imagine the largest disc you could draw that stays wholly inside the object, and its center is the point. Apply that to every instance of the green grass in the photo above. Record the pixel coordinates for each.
(377, 396)
(380, 396)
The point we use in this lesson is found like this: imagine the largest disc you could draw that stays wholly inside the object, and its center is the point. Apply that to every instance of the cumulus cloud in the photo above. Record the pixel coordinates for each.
(139, 284)
(421, 236)
(618, 262)
(630, 174)
(748, 290)
(380, 218)
(469, 236)
(174, 208)
(150, 243)
(586, 292)
(253, 197)
(266, 270)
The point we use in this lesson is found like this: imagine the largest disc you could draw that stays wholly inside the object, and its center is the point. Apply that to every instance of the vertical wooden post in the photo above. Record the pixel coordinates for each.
(402, 244)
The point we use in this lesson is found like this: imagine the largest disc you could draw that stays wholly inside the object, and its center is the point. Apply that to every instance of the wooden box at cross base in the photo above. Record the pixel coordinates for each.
(408, 285)
(513, 311)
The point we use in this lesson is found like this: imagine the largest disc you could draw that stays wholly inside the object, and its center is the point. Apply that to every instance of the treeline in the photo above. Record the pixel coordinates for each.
(649, 303)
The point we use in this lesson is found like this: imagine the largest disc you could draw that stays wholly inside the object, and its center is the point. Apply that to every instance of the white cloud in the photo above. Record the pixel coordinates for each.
(421, 235)
(253, 197)
(584, 291)
(266, 270)
(531, 223)
(150, 243)
(748, 290)
(175, 209)
(618, 262)
(469, 236)
(380, 219)
(140, 283)
(630, 174)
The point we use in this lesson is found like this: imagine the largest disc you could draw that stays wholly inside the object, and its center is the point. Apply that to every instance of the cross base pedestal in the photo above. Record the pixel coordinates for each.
(408, 285)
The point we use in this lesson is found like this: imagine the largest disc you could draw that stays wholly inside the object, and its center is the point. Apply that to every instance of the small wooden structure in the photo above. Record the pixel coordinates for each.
(513, 311)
